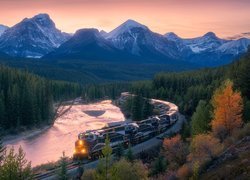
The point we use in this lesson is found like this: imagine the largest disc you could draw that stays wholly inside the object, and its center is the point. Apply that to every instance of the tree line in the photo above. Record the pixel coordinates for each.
(26, 100)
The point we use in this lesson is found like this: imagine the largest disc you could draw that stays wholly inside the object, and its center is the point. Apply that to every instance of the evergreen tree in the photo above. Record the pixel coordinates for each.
(15, 166)
(159, 166)
(200, 119)
(129, 155)
(119, 151)
(107, 151)
(62, 175)
(136, 108)
(147, 109)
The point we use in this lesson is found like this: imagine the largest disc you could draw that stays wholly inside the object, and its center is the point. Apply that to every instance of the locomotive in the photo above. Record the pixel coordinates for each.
(90, 143)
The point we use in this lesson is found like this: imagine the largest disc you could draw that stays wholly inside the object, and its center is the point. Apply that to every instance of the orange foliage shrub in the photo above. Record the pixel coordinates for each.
(228, 109)
(204, 147)
(175, 151)
(184, 172)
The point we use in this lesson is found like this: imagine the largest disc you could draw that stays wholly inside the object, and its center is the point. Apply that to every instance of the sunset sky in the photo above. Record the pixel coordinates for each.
(187, 18)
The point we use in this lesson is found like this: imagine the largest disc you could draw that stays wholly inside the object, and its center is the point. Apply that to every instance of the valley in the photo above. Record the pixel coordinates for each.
(120, 90)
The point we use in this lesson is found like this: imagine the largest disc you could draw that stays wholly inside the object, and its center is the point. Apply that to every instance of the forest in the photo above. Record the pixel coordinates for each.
(27, 100)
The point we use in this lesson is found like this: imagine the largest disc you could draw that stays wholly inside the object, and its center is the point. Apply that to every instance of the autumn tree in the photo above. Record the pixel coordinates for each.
(200, 119)
(227, 113)
(205, 147)
(175, 151)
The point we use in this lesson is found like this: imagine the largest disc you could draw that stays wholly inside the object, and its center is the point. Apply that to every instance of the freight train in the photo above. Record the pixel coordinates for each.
(90, 143)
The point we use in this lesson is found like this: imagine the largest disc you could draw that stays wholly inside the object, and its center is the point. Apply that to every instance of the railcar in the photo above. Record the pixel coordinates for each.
(90, 143)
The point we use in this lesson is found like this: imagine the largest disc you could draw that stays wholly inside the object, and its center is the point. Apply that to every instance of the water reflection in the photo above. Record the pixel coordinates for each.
(49, 145)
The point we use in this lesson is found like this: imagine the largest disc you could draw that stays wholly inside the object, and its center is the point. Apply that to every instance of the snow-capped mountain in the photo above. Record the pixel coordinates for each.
(137, 39)
(32, 37)
(235, 47)
(208, 49)
(131, 41)
(3, 28)
(207, 43)
(87, 44)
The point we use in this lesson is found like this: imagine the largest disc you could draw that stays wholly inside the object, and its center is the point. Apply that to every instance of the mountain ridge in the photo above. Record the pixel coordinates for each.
(38, 37)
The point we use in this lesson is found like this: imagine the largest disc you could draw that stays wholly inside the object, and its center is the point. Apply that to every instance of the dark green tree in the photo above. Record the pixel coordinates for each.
(159, 166)
(15, 166)
(129, 154)
(201, 119)
(137, 108)
(147, 109)
(119, 152)
(62, 174)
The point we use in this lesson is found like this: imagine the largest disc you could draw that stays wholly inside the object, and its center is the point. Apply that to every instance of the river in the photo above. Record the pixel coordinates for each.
(48, 145)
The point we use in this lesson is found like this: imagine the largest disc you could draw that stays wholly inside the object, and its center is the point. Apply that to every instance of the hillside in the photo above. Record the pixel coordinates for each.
(234, 163)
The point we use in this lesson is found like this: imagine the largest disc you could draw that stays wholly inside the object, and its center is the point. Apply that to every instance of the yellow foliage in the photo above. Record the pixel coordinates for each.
(204, 147)
(227, 112)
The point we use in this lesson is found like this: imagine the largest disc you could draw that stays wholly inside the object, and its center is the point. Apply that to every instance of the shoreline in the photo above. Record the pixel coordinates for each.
(10, 139)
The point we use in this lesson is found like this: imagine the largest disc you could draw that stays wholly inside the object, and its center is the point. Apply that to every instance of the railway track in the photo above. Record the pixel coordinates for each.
(143, 146)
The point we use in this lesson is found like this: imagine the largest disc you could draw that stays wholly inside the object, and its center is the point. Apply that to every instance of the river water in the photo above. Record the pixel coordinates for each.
(48, 146)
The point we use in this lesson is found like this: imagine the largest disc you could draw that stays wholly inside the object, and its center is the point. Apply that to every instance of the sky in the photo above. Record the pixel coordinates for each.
(187, 18)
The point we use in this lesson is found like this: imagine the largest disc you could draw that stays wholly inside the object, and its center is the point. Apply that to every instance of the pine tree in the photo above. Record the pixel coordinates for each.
(62, 175)
(119, 151)
(129, 155)
(137, 108)
(15, 166)
(107, 151)
(147, 109)
(201, 119)
(159, 166)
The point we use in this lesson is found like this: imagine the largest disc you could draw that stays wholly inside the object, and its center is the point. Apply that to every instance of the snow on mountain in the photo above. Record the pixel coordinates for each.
(137, 39)
(3, 28)
(86, 44)
(126, 27)
(209, 42)
(235, 47)
(172, 36)
(32, 37)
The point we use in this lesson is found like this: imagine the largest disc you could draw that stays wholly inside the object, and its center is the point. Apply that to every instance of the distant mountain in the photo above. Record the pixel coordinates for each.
(235, 47)
(130, 42)
(209, 50)
(32, 37)
(87, 44)
(138, 40)
(3, 28)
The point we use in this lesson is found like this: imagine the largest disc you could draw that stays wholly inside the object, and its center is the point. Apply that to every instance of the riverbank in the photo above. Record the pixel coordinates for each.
(35, 131)
(46, 144)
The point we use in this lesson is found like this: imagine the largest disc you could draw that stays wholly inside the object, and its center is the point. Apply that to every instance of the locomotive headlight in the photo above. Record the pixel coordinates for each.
(83, 151)
(80, 143)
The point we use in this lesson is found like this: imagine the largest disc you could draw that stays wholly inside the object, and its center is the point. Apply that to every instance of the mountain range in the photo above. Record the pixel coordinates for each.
(38, 37)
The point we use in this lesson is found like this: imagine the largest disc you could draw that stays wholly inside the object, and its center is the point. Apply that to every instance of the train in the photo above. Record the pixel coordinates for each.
(90, 143)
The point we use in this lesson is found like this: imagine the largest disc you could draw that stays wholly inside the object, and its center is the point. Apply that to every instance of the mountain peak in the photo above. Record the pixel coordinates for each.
(172, 36)
(210, 34)
(90, 31)
(127, 26)
(132, 23)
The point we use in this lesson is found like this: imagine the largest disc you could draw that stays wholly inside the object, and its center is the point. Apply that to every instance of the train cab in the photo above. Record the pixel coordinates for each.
(131, 128)
(84, 143)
